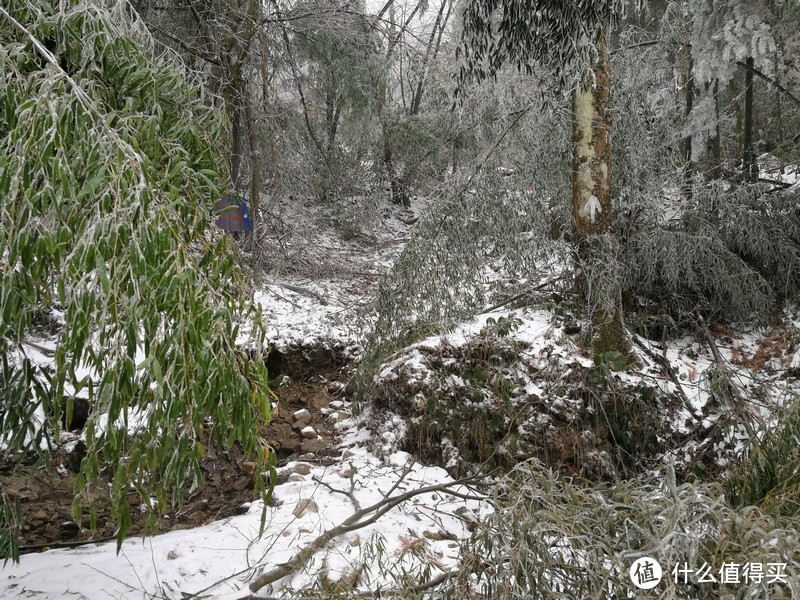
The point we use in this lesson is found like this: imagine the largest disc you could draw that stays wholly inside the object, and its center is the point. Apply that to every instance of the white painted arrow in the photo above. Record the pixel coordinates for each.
(591, 208)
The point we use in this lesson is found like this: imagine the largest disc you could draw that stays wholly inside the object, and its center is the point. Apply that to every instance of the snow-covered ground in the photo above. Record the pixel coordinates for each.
(222, 559)
(417, 539)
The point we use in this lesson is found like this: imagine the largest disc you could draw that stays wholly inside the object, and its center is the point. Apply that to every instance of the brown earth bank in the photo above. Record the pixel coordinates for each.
(314, 379)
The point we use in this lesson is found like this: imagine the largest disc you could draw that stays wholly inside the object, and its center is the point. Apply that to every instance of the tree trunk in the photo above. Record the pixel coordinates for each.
(591, 206)
(778, 108)
(688, 173)
(254, 156)
(749, 166)
(398, 190)
(431, 52)
(396, 186)
(715, 147)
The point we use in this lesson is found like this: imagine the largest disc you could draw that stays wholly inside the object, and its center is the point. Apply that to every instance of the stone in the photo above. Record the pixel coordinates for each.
(308, 432)
(313, 446)
(302, 468)
(296, 477)
(68, 530)
(338, 416)
(305, 506)
(302, 416)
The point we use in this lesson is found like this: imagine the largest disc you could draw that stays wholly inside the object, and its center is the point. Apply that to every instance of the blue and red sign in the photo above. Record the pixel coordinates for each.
(233, 214)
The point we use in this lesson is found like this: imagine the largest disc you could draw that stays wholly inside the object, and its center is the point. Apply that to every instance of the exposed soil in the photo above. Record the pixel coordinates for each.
(303, 378)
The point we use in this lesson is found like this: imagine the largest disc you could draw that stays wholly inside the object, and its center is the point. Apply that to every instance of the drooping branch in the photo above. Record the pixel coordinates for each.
(772, 82)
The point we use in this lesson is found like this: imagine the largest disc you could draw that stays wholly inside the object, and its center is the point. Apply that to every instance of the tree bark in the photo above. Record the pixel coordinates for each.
(591, 205)
(399, 195)
(749, 166)
(715, 143)
(688, 173)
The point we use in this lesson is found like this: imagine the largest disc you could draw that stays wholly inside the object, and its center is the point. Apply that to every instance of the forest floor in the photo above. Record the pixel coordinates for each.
(316, 300)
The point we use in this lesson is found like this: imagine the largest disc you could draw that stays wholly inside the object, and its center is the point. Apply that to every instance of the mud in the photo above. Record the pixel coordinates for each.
(302, 377)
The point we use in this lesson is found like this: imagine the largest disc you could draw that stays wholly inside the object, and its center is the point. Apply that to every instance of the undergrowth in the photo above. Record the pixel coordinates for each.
(553, 536)
(769, 475)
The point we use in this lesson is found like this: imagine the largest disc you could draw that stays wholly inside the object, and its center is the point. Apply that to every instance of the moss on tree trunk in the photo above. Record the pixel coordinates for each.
(591, 205)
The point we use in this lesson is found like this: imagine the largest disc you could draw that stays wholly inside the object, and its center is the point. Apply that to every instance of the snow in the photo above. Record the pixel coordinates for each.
(222, 558)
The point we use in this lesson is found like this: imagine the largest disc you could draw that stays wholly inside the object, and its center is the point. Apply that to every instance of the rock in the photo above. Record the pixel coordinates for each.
(75, 454)
(308, 432)
(318, 400)
(313, 446)
(302, 468)
(338, 416)
(302, 416)
(347, 472)
(354, 541)
(68, 530)
(337, 404)
(303, 507)
(172, 555)
(348, 454)
(296, 477)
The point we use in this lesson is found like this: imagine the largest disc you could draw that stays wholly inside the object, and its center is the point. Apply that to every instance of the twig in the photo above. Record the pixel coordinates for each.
(520, 295)
(664, 363)
(40, 348)
(334, 490)
(73, 544)
(733, 397)
(713, 345)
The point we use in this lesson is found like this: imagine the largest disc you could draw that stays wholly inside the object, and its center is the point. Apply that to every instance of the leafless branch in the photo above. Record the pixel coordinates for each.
(358, 520)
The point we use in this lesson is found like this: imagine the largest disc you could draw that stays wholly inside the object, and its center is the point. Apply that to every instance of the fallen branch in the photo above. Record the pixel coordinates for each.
(520, 295)
(732, 396)
(301, 290)
(664, 363)
(69, 544)
(358, 520)
(44, 350)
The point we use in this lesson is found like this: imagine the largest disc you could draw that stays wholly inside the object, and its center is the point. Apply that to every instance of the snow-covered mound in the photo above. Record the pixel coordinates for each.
(515, 385)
